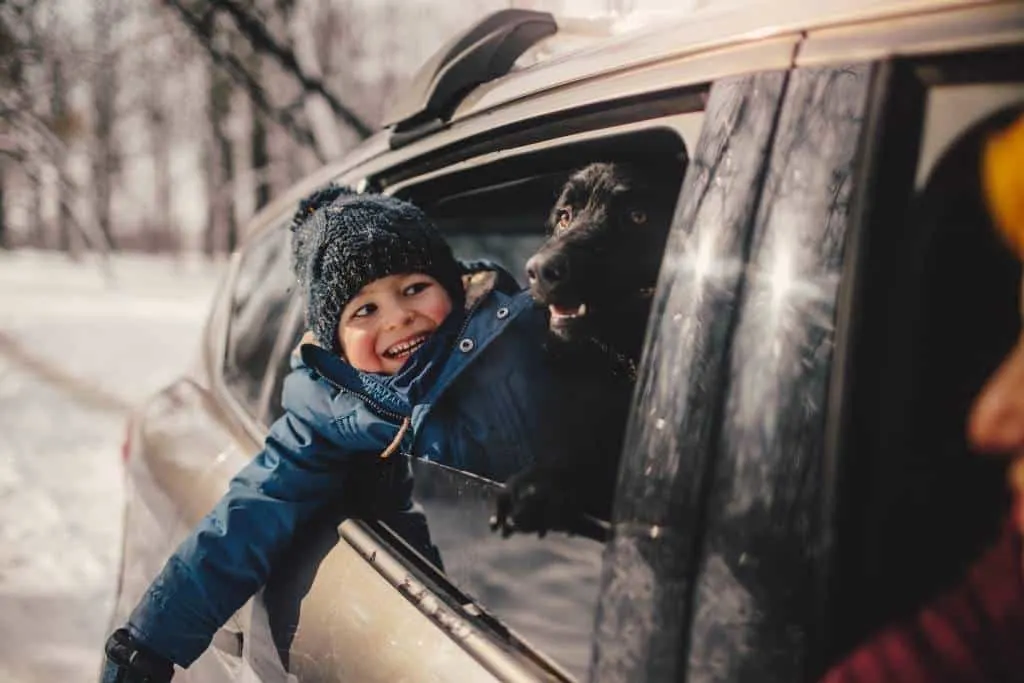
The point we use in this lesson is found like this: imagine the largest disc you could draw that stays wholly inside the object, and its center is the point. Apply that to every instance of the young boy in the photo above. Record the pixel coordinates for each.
(411, 355)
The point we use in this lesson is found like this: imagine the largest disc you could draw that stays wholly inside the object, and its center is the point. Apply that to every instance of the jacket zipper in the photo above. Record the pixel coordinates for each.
(377, 407)
(469, 316)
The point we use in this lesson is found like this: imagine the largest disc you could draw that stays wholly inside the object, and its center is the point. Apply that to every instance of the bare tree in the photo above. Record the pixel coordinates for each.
(105, 87)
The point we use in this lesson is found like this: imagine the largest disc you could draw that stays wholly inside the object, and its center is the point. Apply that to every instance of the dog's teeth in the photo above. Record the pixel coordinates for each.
(562, 313)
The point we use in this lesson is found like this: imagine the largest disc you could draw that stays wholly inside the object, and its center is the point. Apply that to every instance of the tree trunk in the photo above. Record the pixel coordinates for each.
(104, 91)
(222, 230)
(4, 239)
(260, 160)
(58, 115)
(322, 121)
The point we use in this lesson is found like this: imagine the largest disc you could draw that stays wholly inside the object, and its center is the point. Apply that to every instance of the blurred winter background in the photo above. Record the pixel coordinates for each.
(137, 137)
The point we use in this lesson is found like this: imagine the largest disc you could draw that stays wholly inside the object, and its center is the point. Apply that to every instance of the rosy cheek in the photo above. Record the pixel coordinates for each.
(441, 310)
(358, 347)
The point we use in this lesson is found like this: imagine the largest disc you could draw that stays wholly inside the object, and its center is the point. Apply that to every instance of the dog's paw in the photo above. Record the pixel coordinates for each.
(537, 500)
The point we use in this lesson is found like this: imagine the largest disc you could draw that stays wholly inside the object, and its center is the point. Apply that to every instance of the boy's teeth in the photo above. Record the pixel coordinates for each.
(404, 348)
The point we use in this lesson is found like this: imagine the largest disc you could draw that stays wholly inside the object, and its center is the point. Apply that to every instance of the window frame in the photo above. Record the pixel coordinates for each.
(276, 215)
(876, 266)
(470, 168)
(292, 321)
(251, 406)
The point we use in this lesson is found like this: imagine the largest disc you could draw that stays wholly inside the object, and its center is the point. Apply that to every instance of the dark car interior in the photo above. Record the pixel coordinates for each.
(920, 504)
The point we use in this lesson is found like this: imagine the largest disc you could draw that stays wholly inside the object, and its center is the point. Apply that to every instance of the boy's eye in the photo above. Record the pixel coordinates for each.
(364, 310)
(416, 288)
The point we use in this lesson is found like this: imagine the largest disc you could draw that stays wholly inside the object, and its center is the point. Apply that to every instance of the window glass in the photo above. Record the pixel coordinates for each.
(670, 449)
(292, 329)
(950, 109)
(259, 300)
(720, 511)
(763, 516)
(544, 589)
(508, 251)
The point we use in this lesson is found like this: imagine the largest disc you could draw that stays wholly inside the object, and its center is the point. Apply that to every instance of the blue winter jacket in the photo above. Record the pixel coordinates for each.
(480, 396)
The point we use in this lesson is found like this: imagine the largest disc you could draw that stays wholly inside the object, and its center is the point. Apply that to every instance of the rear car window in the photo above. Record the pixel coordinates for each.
(259, 300)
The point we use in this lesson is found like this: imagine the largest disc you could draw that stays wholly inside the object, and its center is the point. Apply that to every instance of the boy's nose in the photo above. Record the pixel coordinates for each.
(399, 316)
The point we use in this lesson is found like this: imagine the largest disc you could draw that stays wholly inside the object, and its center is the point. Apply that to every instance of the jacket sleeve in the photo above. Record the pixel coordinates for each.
(975, 632)
(229, 555)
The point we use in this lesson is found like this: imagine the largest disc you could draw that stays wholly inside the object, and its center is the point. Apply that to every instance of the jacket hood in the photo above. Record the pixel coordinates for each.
(397, 393)
(479, 278)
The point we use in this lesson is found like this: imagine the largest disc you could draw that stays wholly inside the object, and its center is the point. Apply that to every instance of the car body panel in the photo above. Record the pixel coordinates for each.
(743, 25)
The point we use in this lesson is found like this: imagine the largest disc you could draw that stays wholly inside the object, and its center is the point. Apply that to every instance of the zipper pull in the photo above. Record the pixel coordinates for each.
(397, 441)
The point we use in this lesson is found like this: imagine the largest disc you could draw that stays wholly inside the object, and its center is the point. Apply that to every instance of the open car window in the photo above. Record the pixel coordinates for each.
(259, 300)
(543, 589)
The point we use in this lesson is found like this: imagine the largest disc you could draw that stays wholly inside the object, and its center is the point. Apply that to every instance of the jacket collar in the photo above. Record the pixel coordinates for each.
(418, 378)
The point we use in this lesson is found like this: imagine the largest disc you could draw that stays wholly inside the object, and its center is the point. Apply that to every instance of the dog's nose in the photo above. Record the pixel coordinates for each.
(547, 268)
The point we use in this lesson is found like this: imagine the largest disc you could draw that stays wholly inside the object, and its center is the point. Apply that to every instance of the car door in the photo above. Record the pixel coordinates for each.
(796, 474)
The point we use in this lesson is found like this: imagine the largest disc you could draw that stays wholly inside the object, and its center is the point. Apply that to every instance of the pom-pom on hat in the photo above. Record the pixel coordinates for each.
(301, 227)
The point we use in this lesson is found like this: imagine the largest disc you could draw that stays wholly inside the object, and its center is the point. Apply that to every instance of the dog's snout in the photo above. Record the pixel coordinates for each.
(547, 268)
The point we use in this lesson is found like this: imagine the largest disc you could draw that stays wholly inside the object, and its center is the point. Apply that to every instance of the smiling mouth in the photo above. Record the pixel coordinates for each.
(565, 314)
(406, 347)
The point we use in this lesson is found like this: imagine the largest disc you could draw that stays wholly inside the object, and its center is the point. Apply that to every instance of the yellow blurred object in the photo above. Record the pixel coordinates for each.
(1002, 177)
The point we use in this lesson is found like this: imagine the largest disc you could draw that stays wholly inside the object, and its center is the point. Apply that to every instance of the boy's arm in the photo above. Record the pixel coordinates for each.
(229, 555)
(975, 632)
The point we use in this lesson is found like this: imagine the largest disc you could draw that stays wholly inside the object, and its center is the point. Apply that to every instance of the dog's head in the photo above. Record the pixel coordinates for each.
(597, 270)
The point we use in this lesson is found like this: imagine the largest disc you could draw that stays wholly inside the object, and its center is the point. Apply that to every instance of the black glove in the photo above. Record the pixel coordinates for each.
(129, 661)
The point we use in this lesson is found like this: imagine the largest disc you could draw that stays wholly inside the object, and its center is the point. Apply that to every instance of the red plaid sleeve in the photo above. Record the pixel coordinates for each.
(973, 633)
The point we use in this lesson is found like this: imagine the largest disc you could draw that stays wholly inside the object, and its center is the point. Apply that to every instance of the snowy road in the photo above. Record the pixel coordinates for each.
(73, 348)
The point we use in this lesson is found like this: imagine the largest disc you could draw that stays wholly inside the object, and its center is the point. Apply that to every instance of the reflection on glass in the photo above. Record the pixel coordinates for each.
(544, 589)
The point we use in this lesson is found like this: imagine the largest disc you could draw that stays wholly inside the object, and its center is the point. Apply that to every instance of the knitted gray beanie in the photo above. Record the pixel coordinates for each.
(302, 228)
(357, 239)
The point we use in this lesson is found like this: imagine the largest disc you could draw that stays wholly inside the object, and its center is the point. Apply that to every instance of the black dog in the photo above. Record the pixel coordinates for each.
(596, 273)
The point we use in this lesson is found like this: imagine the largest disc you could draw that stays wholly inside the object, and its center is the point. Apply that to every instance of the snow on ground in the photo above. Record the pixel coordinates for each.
(124, 333)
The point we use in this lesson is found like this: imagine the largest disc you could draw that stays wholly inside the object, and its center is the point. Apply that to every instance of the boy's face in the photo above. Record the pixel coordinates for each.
(389, 319)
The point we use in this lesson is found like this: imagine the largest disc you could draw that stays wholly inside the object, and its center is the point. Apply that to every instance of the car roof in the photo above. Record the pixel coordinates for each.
(676, 34)
(589, 49)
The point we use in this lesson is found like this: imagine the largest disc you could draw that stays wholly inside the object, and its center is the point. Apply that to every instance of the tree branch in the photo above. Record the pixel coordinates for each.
(238, 72)
(262, 41)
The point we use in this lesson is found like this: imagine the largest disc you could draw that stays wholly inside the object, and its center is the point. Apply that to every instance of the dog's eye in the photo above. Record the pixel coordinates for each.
(563, 218)
(638, 217)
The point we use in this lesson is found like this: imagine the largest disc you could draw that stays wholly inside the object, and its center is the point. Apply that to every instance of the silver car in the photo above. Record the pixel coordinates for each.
(794, 473)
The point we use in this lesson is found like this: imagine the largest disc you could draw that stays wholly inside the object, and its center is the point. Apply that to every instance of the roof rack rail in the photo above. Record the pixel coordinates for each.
(483, 52)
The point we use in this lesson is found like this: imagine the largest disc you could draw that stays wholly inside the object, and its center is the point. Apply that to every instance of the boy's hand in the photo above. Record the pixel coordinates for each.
(128, 661)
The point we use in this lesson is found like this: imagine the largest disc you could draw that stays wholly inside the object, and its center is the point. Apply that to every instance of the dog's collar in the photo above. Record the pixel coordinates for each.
(622, 364)
(645, 292)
